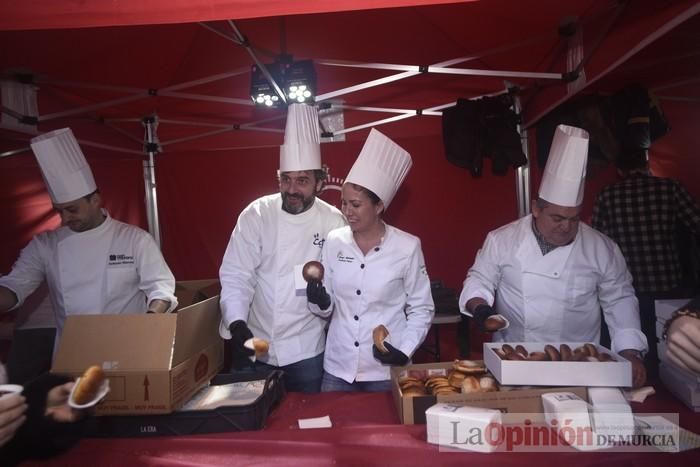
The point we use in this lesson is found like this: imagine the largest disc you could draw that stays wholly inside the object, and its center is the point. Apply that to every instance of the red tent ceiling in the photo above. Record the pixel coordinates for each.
(83, 67)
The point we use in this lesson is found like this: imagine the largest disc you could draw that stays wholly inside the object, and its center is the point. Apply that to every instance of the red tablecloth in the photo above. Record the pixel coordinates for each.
(365, 432)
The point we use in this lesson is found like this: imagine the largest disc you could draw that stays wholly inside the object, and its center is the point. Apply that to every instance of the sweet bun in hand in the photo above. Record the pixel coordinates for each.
(379, 334)
(312, 271)
(260, 346)
(89, 385)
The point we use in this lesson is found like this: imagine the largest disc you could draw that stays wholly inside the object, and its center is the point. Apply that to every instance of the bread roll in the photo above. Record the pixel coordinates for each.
(469, 367)
(494, 323)
(538, 357)
(552, 353)
(312, 271)
(521, 350)
(89, 385)
(470, 385)
(378, 335)
(488, 384)
(566, 353)
(591, 349)
(261, 346)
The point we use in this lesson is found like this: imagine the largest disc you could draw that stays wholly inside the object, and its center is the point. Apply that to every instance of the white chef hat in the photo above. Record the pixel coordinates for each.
(381, 166)
(563, 178)
(302, 141)
(66, 172)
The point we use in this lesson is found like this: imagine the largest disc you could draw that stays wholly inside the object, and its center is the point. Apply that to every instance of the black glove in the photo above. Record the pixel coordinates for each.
(481, 313)
(316, 293)
(393, 357)
(239, 352)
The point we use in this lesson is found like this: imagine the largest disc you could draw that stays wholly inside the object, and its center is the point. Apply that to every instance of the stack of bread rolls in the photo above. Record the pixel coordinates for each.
(465, 376)
(585, 353)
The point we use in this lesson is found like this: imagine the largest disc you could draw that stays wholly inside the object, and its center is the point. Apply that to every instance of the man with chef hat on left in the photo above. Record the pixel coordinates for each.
(92, 263)
(549, 275)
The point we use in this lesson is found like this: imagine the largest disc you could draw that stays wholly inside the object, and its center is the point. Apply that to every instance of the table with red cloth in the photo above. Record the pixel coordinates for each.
(366, 431)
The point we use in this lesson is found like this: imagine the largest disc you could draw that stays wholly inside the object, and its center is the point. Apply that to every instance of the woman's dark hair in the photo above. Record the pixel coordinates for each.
(370, 194)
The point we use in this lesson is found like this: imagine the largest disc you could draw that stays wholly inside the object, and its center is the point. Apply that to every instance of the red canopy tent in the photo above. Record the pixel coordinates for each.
(101, 67)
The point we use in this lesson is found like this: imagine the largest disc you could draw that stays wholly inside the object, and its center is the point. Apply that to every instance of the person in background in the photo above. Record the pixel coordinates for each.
(375, 275)
(682, 334)
(92, 263)
(38, 423)
(642, 214)
(549, 275)
(273, 238)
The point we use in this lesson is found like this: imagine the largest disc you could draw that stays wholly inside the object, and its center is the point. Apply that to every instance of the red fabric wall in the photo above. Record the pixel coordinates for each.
(202, 194)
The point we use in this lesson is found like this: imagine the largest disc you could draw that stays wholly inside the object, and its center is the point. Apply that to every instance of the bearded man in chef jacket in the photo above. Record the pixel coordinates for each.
(92, 263)
(273, 238)
(549, 275)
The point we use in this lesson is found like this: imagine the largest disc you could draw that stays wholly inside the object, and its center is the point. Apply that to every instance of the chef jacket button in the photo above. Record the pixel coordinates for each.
(362, 266)
(376, 248)
(556, 273)
(358, 292)
(357, 344)
(356, 317)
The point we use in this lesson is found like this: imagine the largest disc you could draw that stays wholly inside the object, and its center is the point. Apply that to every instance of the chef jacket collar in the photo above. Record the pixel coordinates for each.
(545, 246)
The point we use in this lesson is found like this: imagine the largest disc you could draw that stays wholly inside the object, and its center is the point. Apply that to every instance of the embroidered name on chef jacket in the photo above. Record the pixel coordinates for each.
(344, 259)
(116, 260)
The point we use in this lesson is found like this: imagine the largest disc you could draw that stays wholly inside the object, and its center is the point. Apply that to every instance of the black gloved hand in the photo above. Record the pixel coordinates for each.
(481, 313)
(239, 352)
(316, 294)
(393, 357)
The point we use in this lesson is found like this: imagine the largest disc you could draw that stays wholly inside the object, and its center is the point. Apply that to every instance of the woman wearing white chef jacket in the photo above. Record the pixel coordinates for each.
(374, 274)
(92, 263)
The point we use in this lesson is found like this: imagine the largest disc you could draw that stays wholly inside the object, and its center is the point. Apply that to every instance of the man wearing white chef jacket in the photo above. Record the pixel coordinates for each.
(92, 263)
(274, 237)
(375, 275)
(549, 274)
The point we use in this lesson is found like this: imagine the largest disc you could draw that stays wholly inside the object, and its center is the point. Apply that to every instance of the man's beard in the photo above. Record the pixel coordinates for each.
(296, 208)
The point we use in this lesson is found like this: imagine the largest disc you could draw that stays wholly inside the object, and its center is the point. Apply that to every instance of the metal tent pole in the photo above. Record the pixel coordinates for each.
(522, 174)
(149, 176)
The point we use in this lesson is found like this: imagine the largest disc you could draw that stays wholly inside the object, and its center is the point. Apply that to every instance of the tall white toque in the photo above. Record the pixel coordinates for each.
(381, 166)
(302, 139)
(563, 178)
(66, 172)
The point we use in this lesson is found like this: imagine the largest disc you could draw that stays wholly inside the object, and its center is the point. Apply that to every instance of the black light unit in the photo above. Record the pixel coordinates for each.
(300, 81)
(296, 79)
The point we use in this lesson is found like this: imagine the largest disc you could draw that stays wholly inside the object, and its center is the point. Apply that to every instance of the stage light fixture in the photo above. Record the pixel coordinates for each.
(300, 81)
(296, 79)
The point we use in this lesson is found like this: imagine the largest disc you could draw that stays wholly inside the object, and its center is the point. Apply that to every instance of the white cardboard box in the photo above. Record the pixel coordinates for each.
(547, 373)
(683, 385)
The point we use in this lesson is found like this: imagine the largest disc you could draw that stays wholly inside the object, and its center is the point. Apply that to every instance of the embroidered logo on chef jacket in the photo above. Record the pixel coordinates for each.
(344, 259)
(116, 260)
(318, 241)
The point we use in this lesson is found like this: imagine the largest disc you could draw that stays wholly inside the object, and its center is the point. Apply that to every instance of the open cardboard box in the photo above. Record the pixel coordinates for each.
(547, 373)
(191, 292)
(154, 362)
(526, 401)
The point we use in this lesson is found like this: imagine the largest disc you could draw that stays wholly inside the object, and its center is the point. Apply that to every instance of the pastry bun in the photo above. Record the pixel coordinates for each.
(378, 335)
(313, 271)
(89, 385)
(494, 323)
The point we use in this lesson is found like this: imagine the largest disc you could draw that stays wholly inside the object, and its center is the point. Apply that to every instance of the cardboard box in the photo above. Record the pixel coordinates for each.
(190, 292)
(513, 372)
(682, 384)
(154, 362)
(516, 401)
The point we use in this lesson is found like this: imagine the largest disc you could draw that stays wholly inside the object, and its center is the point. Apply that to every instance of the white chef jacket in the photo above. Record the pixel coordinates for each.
(114, 268)
(388, 286)
(556, 297)
(257, 276)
